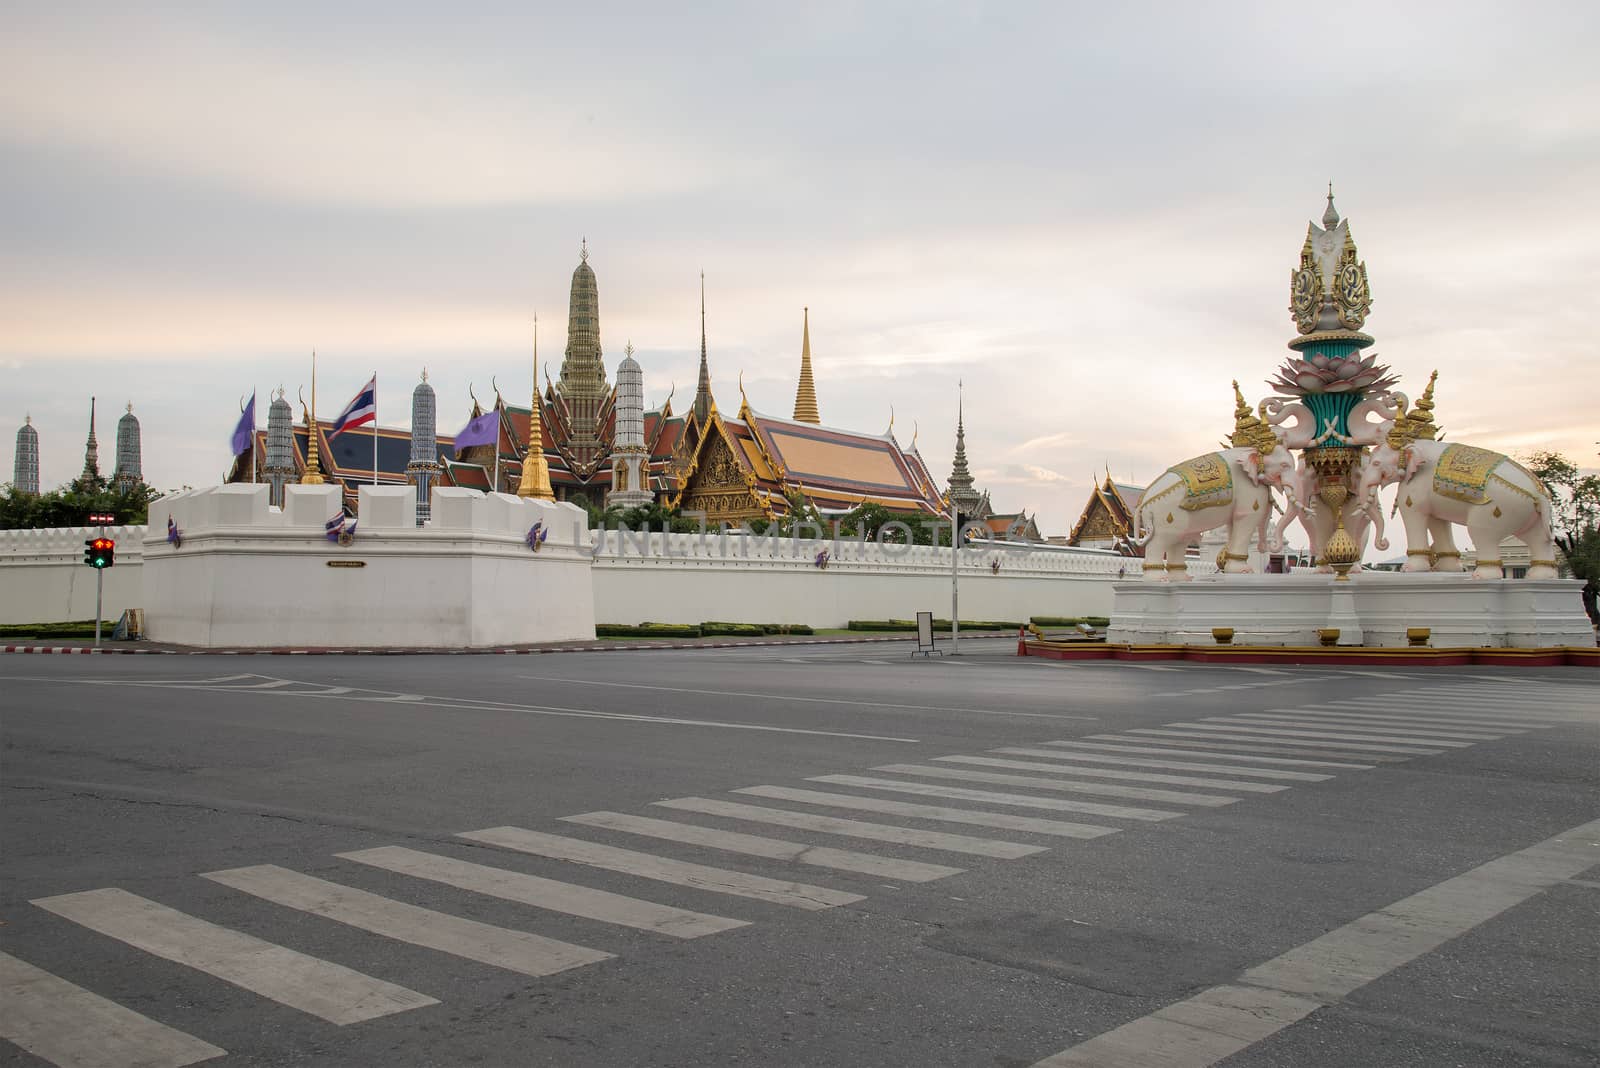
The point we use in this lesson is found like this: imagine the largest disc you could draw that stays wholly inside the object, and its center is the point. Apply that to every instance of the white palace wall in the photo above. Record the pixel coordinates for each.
(734, 578)
(251, 575)
(43, 578)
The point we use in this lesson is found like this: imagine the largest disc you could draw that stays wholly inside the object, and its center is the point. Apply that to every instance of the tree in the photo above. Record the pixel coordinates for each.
(72, 504)
(1574, 520)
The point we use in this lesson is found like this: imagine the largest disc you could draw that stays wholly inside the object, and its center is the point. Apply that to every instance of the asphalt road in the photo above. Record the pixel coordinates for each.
(262, 861)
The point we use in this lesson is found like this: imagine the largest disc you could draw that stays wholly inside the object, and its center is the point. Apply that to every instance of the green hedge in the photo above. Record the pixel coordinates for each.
(786, 628)
(646, 630)
(1068, 621)
(938, 625)
(83, 628)
(732, 630)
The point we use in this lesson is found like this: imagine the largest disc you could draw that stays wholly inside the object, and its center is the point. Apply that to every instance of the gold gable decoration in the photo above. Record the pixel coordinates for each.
(716, 483)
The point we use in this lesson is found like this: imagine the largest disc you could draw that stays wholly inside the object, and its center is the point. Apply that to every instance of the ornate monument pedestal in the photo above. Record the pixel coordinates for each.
(1373, 610)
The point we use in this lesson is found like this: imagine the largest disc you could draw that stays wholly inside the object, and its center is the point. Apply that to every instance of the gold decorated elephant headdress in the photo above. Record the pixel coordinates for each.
(1416, 424)
(1249, 429)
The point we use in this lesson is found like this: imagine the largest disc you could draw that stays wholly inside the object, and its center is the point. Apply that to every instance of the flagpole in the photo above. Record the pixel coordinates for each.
(374, 428)
(252, 435)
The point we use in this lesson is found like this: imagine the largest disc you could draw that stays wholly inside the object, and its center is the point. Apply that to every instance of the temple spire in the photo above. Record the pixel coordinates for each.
(91, 451)
(962, 495)
(805, 398)
(312, 476)
(535, 469)
(703, 402)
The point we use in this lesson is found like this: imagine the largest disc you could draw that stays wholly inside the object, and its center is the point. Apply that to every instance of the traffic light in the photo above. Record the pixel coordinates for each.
(100, 553)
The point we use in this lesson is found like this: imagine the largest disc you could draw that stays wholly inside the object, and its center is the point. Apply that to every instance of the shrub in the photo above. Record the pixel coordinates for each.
(646, 630)
(787, 628)
(732, 630)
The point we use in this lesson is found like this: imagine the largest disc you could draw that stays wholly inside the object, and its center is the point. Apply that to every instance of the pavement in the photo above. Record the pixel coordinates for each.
(795, 855)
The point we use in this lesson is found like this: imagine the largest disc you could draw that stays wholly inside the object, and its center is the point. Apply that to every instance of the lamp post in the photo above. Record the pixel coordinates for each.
(955, 578)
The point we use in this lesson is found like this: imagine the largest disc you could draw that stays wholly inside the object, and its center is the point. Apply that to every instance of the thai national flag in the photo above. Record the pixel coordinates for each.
(359, 412)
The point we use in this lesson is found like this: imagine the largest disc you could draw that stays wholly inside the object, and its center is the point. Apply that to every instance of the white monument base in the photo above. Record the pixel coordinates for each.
(1373, 609)
(251, 576)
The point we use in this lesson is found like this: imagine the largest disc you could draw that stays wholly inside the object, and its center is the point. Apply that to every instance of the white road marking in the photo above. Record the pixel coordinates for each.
(1245, 719)
(545, 894)
(1109, 773)
(517, 951)
(1454, 710)
(910, 871)
(989, 797)
(1420, 719)
(330, 991)
(1004, 820)
(662, 869)
(1170, 765)
(879, 832)
(75, 1028)
(1189, 751)
(1287, 745)
(1037, 782)
(793, 698)
(1332, 737)
(1226, 1019)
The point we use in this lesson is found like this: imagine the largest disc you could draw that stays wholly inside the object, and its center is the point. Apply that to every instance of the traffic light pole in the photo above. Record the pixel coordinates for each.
(955, 579)
(99, 593)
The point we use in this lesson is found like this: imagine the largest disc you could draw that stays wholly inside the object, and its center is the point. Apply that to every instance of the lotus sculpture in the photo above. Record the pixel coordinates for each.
(1332, 374)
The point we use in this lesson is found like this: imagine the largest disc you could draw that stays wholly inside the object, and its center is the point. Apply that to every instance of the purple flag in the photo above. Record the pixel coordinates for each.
(245, 432)
(484, 430)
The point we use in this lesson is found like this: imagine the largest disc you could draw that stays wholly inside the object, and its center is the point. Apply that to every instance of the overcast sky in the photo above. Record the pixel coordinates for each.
(1087, 212)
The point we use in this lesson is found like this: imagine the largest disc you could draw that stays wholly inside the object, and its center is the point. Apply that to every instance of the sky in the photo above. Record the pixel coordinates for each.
(1086, 213)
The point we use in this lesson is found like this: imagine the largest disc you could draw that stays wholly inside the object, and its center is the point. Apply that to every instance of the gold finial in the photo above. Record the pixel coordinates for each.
(1416, 424)
(1249, 429)
(535, 481)
(477, 408)
(313, 474)
(583, 254)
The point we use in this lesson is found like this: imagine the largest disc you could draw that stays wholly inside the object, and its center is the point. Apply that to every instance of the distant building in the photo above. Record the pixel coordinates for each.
(130, 465)
(25, 470)
(1106, 521)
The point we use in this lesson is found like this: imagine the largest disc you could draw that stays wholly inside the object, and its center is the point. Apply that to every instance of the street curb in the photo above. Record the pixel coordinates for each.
(605, 647)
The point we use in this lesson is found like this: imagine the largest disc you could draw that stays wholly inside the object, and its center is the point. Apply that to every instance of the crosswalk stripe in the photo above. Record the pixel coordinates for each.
(856, 828)
(1234, 750)
(959, 793)
(331, 991)
(545, 894)
(1283, 745)
(877, 832)
(910, 871)
(1111, 773)
(662, 869)
(1453, 709)
(1170, 765)
(75, 1028)
(1479, 705)
(1331, 736)
(1479, 695)
(1004, 820)
(1036, 782)
(517, 951)
(1189, 751)
(1246, 719)
(1420, 719)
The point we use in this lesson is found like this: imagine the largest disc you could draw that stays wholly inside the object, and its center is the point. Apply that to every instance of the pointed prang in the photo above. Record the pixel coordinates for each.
(805, 397)
(703, 404)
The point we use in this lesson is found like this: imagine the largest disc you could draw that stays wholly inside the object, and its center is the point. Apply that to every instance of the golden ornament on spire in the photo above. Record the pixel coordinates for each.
(1249, 429)
(1416, 424)
(535, 470)
(312, 476)
(805, 397)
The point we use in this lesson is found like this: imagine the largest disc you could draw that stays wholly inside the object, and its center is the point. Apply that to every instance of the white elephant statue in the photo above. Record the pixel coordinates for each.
(1443, 484)
(1318, 520)
(1231, 488)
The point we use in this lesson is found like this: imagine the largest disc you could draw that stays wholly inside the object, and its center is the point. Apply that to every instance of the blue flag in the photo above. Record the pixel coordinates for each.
(245, 432)
(484, 430)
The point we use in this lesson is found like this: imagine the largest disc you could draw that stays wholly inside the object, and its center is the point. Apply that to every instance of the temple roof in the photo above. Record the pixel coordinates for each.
(841, 466)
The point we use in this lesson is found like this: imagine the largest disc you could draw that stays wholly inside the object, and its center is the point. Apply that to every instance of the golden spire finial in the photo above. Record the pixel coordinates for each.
(1416, 424)
(535, 482)
(1249, 429)
(313, 474)
(805, 397)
